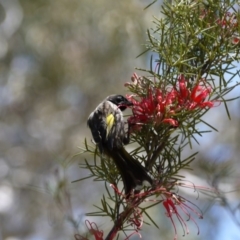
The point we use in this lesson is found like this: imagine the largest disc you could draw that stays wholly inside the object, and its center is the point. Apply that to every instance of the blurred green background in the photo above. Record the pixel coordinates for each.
(58, 60)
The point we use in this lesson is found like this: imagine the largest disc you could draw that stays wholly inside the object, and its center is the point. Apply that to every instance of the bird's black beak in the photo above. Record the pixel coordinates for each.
(128, 103)
(125, 104)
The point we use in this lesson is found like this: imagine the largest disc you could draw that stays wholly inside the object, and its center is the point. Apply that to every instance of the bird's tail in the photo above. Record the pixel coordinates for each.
(134, 175)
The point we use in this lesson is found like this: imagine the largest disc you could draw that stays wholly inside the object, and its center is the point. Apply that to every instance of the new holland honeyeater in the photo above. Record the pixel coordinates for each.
(106, 123)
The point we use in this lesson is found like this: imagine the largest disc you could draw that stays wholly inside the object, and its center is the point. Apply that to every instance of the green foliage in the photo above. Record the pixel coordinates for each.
(195, 38)
(200, 41)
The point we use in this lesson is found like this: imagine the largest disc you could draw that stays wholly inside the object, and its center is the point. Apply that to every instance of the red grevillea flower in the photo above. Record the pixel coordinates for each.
(194, 97)
(155, 108)
(173, 205)
(235, 40)
(229, 20)
(136, 80)
(93, 229)
(161, 106)
(177, 207)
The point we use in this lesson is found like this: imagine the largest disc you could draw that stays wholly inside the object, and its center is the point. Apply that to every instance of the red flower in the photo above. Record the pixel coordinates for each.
(93, 229)
(175, 203)
(195, 97)
(229, 20)
(152, 109)
(161, 106)
(176, 206)
(136, 81)
(235, 40)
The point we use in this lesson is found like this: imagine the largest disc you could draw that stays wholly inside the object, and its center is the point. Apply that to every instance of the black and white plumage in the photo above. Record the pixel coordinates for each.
(106, 123)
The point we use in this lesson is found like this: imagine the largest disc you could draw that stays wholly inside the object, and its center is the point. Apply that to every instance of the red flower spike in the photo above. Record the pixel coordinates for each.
(184, 92)
(195, 97)
(136, 81)
(167, 204)
(171, 204)
(93, 229)
(199, 94)
(207, 104)
(176, 207)
(151, 109)
(172, 122)
(136, 220)
(160, 106)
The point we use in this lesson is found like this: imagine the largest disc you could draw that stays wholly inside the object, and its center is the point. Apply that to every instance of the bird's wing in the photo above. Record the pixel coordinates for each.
(97, 125)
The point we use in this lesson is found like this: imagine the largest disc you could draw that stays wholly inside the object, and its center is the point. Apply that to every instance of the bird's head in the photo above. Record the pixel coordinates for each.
(120, 101)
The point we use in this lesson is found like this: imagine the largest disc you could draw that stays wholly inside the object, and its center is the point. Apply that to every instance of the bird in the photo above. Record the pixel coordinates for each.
(107, 126)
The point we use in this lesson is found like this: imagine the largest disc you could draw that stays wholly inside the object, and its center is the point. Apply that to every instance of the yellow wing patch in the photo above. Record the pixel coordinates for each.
(109, 122)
